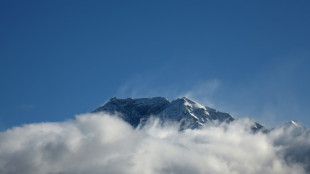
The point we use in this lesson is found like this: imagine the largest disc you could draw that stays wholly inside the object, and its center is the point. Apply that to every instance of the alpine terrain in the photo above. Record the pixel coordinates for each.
(186, 112)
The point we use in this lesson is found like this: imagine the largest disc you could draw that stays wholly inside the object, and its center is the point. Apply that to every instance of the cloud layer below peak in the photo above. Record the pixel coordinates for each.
(101, 143)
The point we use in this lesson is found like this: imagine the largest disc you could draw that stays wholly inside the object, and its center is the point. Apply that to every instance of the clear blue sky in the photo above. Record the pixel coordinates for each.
(61, 58)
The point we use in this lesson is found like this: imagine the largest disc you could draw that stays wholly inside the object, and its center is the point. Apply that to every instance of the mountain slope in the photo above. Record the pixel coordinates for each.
(188, 113)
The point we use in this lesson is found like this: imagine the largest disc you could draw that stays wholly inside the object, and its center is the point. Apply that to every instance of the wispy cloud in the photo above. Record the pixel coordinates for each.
(204, 91)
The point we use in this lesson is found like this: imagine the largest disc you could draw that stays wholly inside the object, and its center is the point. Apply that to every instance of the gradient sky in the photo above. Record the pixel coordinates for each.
(61, 58)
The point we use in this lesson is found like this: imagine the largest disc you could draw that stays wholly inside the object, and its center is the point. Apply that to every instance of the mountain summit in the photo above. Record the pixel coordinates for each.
(187, 112)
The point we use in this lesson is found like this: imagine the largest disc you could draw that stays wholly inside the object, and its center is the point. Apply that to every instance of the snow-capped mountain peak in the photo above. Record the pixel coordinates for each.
(292, 124)
(188, 113)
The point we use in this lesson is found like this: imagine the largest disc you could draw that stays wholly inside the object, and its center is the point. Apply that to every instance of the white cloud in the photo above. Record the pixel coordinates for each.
(99, 143)
(204, 91)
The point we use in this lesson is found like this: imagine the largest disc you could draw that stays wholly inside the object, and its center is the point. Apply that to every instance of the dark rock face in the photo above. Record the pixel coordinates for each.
(134, 110)
(188, 113)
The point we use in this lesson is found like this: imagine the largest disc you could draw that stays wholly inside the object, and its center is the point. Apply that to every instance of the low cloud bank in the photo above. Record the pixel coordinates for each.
(100, 143)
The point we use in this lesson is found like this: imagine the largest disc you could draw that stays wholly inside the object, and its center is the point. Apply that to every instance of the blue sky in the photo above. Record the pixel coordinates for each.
(61, 58)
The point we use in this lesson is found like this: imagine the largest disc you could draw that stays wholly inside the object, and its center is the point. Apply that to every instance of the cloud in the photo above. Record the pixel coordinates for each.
(204, 91)
(140, 86)
(100, 143)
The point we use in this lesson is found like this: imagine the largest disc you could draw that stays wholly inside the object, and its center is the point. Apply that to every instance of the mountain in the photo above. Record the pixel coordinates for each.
(293, 138)
(294, 128)
(293, 124)
(188, 113)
